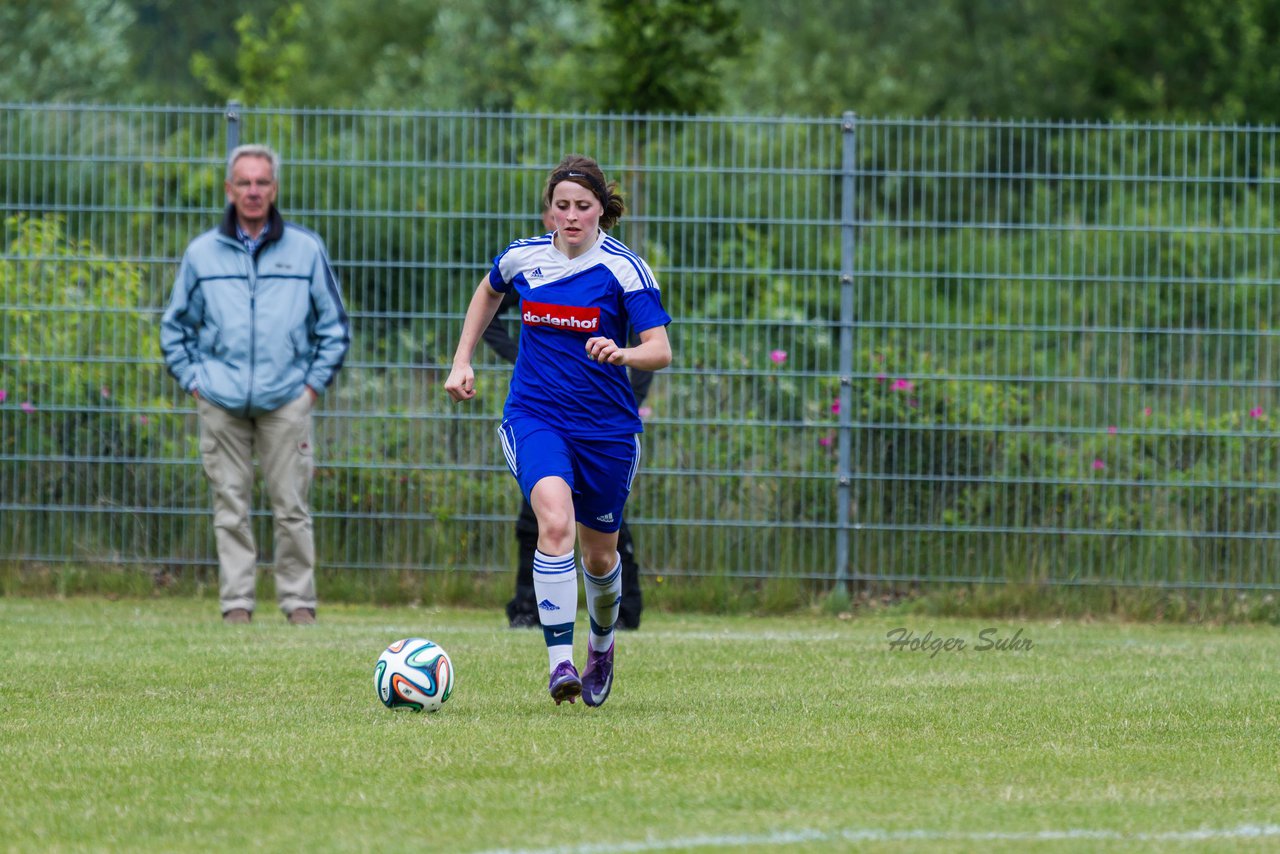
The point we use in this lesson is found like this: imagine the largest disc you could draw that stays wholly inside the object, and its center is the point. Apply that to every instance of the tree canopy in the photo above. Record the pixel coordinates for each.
(63, 50)
(1201, 60)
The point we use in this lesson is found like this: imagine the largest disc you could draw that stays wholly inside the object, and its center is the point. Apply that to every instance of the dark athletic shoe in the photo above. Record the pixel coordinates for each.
(565, 684)
(597, 679)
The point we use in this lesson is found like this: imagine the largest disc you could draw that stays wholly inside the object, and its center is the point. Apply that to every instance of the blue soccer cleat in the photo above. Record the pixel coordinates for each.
(565, 684)
(597, 679)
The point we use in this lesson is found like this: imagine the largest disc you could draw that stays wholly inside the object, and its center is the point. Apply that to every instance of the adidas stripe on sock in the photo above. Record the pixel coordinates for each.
(555, 584)
(604, 598)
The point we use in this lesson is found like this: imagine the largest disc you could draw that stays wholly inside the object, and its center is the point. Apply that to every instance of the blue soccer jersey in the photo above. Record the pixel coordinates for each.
(606, 291)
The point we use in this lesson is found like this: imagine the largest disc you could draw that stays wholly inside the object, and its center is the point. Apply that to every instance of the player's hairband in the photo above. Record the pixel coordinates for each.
(596, 186)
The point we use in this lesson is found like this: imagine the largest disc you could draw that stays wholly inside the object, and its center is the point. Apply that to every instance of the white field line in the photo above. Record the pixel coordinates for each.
(799, 837)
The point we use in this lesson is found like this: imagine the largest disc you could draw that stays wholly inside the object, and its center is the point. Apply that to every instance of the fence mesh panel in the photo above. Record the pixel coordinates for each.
(905, 350)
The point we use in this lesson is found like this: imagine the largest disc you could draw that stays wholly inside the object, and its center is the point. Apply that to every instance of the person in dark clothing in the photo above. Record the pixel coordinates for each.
(522, 610)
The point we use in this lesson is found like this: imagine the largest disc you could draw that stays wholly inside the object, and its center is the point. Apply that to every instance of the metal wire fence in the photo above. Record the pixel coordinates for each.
(906, 350)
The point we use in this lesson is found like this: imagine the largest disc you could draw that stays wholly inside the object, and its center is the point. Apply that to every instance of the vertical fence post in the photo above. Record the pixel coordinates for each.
(844, 422)
(233, 126)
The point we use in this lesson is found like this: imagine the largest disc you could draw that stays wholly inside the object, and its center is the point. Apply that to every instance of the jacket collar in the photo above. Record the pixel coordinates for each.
(275, 225)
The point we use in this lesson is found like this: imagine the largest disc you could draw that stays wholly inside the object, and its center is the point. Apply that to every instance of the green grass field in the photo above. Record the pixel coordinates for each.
(150, 726)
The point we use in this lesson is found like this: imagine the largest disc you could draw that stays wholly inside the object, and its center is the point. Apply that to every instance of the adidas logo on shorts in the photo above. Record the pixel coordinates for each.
(608, 517)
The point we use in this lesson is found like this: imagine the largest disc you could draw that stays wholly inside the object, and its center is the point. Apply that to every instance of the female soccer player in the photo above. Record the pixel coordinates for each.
(570, 428)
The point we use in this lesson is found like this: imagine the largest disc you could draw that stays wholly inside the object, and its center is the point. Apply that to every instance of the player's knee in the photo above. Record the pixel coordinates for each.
(555, 527)
(600, 564)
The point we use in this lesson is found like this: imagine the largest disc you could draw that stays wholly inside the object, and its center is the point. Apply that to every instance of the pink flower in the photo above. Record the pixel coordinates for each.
(1257, 412)
(4, 395)
(824, 441)
(27, 407)
(144, 420)
(1112, 430)
(1147, 411)
(903, 385)
(106, 392)
(1099, 465)
(645, 412)
(778, 356)
(835, 407)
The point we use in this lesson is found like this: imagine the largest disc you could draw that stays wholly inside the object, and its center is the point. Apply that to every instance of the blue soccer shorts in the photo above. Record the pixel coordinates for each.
(599, 470)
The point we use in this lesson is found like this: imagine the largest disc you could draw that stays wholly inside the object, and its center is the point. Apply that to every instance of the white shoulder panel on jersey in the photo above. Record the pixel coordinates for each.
(627, 267)
(523, 255)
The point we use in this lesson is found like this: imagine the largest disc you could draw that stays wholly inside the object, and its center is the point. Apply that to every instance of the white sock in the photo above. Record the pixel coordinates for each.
(604, 597)
(555, 584)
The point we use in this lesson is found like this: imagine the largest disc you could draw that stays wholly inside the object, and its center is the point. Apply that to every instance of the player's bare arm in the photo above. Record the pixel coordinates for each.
(652, 354)
(461, 384)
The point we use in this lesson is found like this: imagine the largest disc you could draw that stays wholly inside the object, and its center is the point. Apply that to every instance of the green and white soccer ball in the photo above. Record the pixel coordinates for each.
(414, 674)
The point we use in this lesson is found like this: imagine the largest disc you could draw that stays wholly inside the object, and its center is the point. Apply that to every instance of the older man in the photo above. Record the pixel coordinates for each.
(256, 331)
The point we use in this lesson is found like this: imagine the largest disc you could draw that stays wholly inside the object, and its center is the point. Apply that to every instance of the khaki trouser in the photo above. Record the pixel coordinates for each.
(283, 443)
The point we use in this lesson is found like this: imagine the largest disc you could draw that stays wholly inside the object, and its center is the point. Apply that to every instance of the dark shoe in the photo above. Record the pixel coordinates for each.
(565, 683)
(302, 617)
(597, 679)
(627, 622)
(237, 616)
(524, 602)
(524, 620)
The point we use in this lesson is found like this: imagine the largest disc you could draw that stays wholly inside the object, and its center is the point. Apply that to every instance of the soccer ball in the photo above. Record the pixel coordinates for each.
(414, 674)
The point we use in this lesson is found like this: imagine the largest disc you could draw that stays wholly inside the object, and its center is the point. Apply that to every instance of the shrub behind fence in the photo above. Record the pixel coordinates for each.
(905, 350)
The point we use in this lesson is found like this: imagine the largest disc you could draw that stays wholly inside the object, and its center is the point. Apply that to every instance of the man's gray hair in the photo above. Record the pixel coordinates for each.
(264, 151)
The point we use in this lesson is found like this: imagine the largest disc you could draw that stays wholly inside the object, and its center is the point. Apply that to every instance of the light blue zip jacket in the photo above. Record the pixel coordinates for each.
(248, 332)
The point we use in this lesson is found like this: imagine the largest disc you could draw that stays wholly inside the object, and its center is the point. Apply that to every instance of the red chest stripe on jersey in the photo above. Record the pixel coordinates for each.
(571, 318)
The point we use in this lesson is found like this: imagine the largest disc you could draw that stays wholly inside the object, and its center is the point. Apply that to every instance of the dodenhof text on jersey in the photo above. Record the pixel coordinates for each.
(573, 318)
